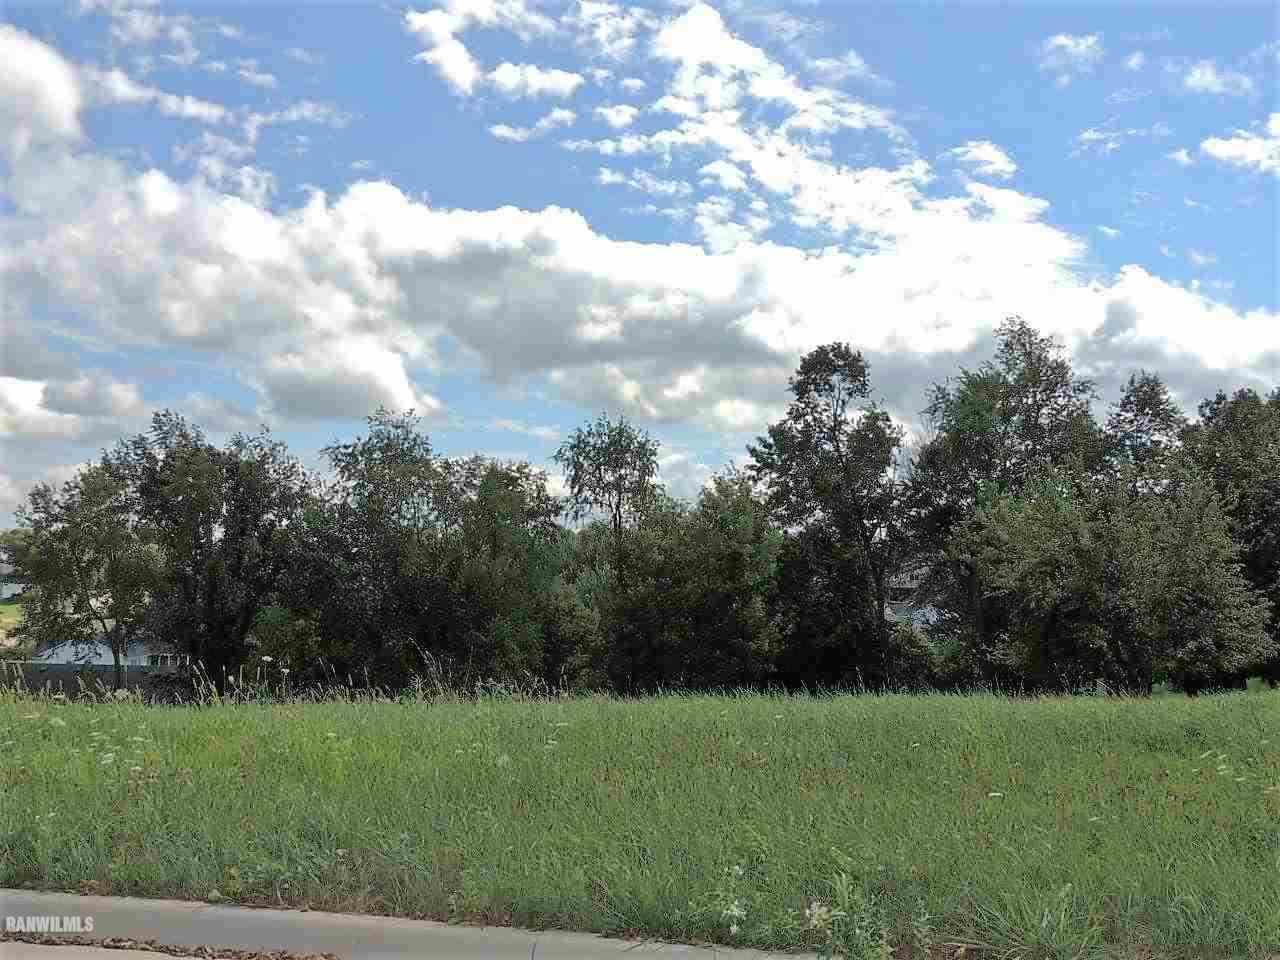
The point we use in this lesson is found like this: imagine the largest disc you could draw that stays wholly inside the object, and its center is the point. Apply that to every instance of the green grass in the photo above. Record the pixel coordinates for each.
(1056, 827)
(10, 615)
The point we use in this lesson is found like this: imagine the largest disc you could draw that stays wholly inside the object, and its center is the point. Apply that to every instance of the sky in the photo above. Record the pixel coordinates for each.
(513, 215)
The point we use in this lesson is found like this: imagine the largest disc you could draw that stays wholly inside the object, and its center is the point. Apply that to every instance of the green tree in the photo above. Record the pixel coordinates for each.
(412, 561)
(992, 430)
(91, 565)
(824, 466)
(693, 612)
(221, 518)
(1105, 584)
(1145, 426)
(610, 466)
(372, 551)
(1236, 441)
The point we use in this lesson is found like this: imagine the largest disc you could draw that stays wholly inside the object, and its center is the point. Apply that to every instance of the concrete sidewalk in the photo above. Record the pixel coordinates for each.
(352, 937)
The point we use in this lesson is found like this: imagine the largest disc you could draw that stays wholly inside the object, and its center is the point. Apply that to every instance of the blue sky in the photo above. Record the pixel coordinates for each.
(512, 214)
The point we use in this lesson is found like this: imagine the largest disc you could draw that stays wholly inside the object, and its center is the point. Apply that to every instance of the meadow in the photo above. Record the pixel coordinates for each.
(10, 615)
(864, 826)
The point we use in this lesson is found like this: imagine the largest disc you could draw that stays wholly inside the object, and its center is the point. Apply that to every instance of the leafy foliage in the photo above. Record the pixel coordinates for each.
(1055, 552)
(222, 521)
(92, 565)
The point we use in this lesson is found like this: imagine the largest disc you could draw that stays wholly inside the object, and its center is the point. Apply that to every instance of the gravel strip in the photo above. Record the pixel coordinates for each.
(174, 950)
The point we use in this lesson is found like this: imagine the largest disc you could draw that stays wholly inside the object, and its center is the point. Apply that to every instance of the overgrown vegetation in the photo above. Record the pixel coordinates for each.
(1058, 552)
(1021, 828)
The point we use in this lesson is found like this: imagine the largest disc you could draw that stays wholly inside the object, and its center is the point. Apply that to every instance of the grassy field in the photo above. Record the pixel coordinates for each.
(10, 614)
(1068, 828)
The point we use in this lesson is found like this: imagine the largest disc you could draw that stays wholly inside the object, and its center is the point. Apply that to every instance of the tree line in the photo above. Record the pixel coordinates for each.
(1057, 552)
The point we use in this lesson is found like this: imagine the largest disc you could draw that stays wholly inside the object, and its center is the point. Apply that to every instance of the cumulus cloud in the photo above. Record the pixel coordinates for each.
(984, 158)
(440, 29)
(94, 392)
(608, 29)
(1253, 151)
(1135, 60)
(618, 116)
(1205, 77)
(527, 80)
(1181, 157)
(330, 306)
(1068, 56)
(40, 96)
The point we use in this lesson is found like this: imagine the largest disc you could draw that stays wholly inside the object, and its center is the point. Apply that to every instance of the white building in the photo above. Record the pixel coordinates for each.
(147, 653)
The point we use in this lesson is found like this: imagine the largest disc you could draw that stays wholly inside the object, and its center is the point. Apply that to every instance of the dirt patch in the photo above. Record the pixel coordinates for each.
(174, 950)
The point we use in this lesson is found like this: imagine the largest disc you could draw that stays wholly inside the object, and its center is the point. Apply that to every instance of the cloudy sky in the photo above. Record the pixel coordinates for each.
(513, 214)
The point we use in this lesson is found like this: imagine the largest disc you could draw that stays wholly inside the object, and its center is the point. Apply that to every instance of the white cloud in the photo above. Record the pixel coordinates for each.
(984, 158)
(1135, 60)
(527, 80)
(553, 120)
(250, 74)
(1127, 95)
(336, 304)
(1109, 231)
(304, 111)
(25, 415)
(725, 174)
(438, 29)
(1108, 138)
(608, 29)
(715, 70)
(1252, 151)
(1205, 77)
(632, 84)
(304, 56)
(115, 86)
(1201, 259)
(1068, 55)
(645, 181)
(837, 69)
(619, 116)
(40, 95)
(94, 393)
(1181, 157)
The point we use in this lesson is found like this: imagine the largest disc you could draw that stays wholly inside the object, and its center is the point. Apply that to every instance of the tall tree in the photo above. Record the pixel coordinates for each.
(92, 567)
(1236, 441)
(610, 466)
(831, 465)
(993, 429)
(1145, 426)
(221, 518)
(375, 552)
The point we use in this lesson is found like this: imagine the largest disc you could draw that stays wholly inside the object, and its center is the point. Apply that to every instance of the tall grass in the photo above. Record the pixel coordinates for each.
(1053, 827)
